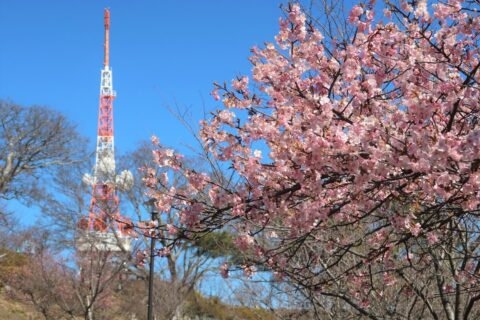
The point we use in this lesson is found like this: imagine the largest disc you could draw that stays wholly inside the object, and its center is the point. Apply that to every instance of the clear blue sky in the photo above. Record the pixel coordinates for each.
(162, 52)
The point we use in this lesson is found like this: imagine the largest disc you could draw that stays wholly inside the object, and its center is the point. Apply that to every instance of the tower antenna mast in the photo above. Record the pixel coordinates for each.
(107, 37)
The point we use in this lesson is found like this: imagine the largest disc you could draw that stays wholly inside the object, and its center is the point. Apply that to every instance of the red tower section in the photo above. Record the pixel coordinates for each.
(105, 116)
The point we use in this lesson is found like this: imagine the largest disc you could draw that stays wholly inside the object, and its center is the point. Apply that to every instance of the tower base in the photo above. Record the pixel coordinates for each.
(103, 241)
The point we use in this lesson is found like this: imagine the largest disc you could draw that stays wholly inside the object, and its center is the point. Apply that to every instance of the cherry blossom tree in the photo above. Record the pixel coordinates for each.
(181, 264)
(39, 278)
(358, 159)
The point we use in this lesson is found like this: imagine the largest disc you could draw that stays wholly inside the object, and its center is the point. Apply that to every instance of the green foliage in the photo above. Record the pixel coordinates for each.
(216, 245)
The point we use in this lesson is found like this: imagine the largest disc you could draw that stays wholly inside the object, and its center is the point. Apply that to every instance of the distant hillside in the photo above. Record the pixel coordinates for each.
(202, 309)
(11, 310)
(196, 307)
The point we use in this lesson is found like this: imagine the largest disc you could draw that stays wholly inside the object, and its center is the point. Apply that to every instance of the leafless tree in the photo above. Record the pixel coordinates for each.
(33, 142)
(63, 285)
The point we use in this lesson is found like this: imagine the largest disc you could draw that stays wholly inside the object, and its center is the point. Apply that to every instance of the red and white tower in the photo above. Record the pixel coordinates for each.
(104, 220)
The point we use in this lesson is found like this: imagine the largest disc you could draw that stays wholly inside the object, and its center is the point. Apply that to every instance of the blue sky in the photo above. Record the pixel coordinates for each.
(162, 53)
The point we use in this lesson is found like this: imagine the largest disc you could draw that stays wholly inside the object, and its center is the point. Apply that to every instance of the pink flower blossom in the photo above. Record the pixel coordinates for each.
(448, 288)
(224, 270)
(356, 12)
(215, 95)
(197, 180)
(244, 242)
(415, 228)
(249, 271)
(164, 252)
(240, 84)
(155, 140)
(389, 279)
(432, 237)
(171, 229)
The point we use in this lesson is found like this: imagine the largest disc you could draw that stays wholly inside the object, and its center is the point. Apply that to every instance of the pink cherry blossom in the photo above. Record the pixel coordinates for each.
(163, 252)
(355, 13)
(249, 271)
(215, 95)
(224, 270)
(432, 237)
